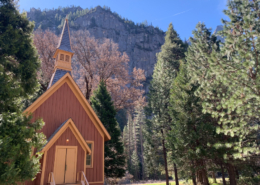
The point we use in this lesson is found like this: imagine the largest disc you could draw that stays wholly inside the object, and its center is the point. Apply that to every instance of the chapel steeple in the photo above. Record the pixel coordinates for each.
(62, 55)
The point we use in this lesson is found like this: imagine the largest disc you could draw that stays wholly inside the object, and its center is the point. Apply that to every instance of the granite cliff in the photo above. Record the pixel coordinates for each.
(140, 41)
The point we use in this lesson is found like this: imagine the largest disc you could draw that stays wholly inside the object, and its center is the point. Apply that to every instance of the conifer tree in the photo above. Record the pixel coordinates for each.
(135, 165)
(158, 98)
(191, 130)
(199, 57)
(18, 58)
(140, 121)
(18, 83)
(133, 142)
(152, 154)
(236, 68)
(128, 141)
(114, 152)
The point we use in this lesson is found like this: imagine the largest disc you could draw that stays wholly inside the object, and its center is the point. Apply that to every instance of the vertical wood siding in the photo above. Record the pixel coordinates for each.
(61, 106)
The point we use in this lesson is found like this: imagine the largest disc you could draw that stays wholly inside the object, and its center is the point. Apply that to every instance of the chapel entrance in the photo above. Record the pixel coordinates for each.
(65, 164)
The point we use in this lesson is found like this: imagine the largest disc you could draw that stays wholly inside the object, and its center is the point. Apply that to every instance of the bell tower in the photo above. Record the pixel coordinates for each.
(62, 55)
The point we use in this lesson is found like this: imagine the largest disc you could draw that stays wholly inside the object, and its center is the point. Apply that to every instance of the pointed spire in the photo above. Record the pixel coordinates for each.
(64, 43)
(63, 55)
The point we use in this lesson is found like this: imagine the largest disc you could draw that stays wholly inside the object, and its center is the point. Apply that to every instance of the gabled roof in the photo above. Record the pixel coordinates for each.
(57, 133)
(64, 43)
(76, 91)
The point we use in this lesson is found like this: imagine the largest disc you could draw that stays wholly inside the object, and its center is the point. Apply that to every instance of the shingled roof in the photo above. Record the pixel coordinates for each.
(64, 43)
(60, 130)
(58, 74)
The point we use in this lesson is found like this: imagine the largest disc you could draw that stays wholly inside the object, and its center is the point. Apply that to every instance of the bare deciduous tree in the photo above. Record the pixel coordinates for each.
(46, 43)
(95, 60)
(103, 61)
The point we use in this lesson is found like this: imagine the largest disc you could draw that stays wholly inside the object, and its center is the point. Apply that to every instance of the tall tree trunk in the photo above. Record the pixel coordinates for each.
(194, 178)
(142, 149)
(199, 177)
(165, 160)
(202, 176)
(231, 174)
(214, 177)
(88, 89)
(223, 175)
(129, 144)
(205, 177)
(176, 174)
(237, 174)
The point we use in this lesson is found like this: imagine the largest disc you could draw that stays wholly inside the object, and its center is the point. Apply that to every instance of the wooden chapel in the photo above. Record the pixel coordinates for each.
(74, 152)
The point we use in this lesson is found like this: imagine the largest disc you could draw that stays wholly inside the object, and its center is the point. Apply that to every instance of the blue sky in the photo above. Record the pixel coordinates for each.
(184, 14)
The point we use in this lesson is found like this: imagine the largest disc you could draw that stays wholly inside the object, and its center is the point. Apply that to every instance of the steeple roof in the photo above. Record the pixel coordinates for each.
(64, 43)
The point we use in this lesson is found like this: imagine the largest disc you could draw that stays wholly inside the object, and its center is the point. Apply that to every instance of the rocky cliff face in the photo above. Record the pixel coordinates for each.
(219, 28)
(140, 42)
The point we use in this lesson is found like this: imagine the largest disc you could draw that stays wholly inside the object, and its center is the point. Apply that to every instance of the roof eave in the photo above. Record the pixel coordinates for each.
(54, 87)
(57, 51)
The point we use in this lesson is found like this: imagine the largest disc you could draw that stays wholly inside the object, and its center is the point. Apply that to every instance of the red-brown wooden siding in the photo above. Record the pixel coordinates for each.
(61, 106)
(67, 134)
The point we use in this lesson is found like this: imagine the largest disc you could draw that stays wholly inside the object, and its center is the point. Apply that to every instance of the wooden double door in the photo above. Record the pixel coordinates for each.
(65, 164)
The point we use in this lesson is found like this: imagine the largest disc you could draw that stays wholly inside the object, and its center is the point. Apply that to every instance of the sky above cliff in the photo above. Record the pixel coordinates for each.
(184, 14)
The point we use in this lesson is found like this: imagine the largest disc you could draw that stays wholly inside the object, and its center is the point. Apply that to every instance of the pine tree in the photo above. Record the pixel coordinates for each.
(140, 121)
(236, 68)
(128, 141)
(152, 153)
(203, 48)
(191, 130)
(158, 98)
(19, 64)
(18, 58)
(114, 152)
(135, 165)
(17, 138)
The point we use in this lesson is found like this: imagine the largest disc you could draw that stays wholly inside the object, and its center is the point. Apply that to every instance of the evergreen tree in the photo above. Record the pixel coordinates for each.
(236, 68)
(128, 141)
(133, 142)
(18, 58)
(191, 130)
(114, 152)
(139, 122)
(158, 98)
(152, 153)
(135, 165)
(18, 70)
(17, 138)
(199, 57)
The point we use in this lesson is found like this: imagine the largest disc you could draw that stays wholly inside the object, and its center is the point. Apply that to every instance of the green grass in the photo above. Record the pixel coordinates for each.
(219, 182)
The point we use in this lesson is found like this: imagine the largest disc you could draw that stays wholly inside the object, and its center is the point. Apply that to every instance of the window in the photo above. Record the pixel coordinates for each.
(67, 59)
(89, 160)
(62, 57)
